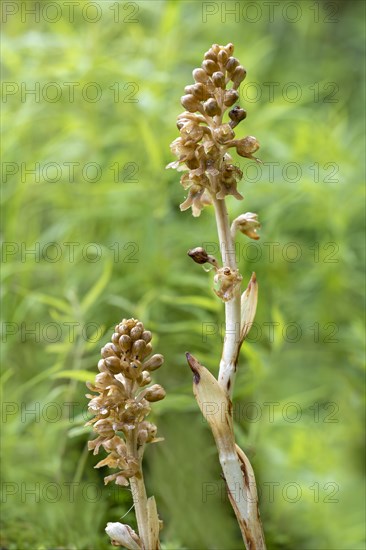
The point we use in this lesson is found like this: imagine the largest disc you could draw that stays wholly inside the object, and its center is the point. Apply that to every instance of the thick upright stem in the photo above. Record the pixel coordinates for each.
(231, 347)
(236, 467)
(140, 498)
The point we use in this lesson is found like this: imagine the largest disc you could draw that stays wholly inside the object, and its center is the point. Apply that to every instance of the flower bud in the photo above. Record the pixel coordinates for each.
(199, 75)
(200, 91)
(108, 350)
(148, 349)
(136, 332)
(154, 362)
(121, 328)
(115, 337)
(222, 57)
(146, 335)
(238, 76)
(218, 78)
(230, 97)
(211, 107)
(231, 64)
(189, 102)
(125, 342)
(144, 378)
(138, 348)
(210, 55)
(102, 367)
(189, 89)
(229, 48)
(247, 146)
(113, 364)
(237, 115)
(155, 393)
(198, 255)
(210, 66)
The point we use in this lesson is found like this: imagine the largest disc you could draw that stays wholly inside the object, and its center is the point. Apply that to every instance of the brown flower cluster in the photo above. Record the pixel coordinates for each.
(123, 401)
(202, 148)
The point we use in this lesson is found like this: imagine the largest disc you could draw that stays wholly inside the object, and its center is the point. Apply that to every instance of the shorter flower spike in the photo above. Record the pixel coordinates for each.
(120, 408)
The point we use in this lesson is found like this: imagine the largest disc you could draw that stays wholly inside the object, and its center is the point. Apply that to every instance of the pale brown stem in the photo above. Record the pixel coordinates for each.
(231, 347)
(238, 473)
(139, 493)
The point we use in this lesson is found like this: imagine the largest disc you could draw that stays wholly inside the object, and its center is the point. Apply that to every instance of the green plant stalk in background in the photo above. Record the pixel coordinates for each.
(202, 149)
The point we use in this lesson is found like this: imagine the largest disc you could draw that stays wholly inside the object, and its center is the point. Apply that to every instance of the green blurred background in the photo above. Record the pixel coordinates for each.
(101, 215)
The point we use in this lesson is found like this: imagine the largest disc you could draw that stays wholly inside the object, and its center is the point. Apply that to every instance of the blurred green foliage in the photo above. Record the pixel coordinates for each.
(298, 394)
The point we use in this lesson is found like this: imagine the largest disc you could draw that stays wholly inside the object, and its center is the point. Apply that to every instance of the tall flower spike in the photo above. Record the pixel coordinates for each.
(120, 408)
(209, 176)
(205, 138)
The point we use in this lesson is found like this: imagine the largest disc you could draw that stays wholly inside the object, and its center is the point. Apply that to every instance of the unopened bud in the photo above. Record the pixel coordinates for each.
(231, 64)
(155, 393)
(199, 75)
(125, 342)
(238, 76)
(145, 378)
(136, 332)
(200, 91)
(218, 78)
(102, 367)
(108, 350)
(146, 335)
(229, 48)
(189, 102)
(237, 115)
(247, 146)
(222, 57)
(210, 66)
(210, 55)
(113, 364)
(115, 337)
(198, 255)
(230, 97)
(154, 362)
(148, 349)
(138, 348)
(212, 107)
